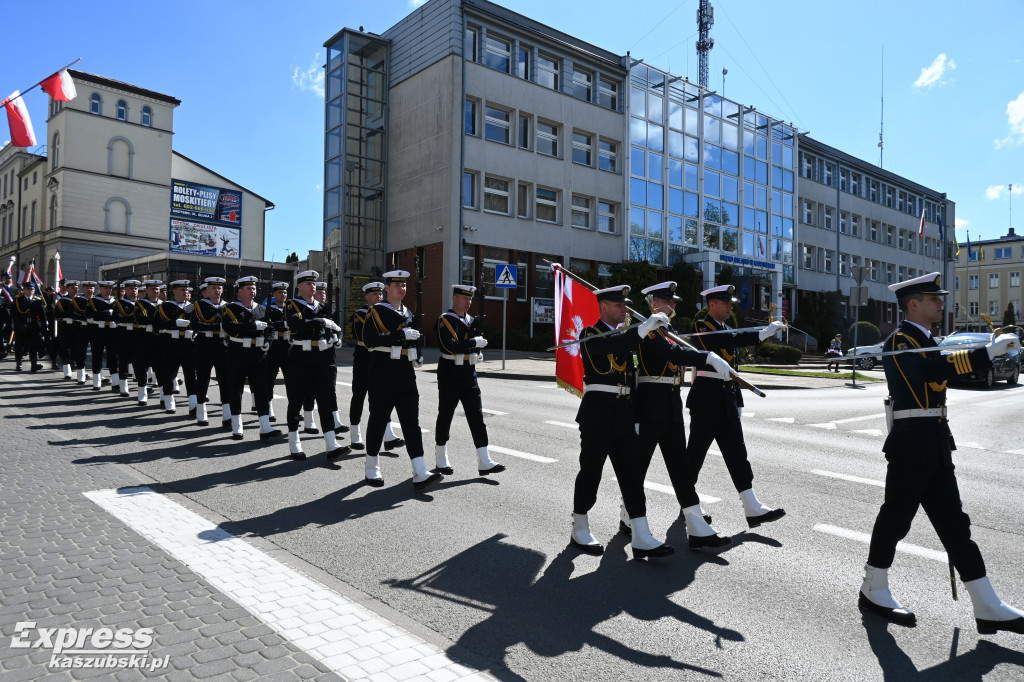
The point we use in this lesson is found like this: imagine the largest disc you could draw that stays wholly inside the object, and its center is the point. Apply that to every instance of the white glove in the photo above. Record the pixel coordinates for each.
(653, 322)
(260, 325)
(1003, 343)
(181, 323)
(721, 367)
(772, 329)
(331, 325)
(480, 341)
(636, 427)
(410, 334)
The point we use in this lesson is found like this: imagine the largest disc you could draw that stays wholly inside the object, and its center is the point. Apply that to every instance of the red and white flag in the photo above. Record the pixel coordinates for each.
(920, 230)
(19, 122)
(576, 308)
(60, 86)
(59, 274)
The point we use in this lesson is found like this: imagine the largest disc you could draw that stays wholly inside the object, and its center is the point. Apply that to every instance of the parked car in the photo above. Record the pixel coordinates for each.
(1005, 366)
(866, 357)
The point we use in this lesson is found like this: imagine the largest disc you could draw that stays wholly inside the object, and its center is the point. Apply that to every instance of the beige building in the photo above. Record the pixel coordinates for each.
(102, 194)
(987, 281)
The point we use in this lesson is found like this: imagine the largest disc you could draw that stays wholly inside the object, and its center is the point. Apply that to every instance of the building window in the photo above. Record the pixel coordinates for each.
(581, 146)
(873, 190)
(874, 231)
(469, 49)
(53, 212)
(523, 200)
(828, 174)
(580, 212)
(496, 195)
(807, 257)
(1006, 252)
(469, 189)
(122, 110)
(844, 264)
(547, 72)
(547, 205)
(808, 212)
(607, 156)
(523, 62)
(95, 104)
(854, 226)
(470, 117)
(497, 54)
(147, 117)
(974, 308)
(524, 131)
(547, 138)
(496, 127)
(54, 152)
(993, 280)
(827, 260)
(993, 307)
(605, 216)
(888, 197)
(608, 94)
(32, 222)
(1014, 279)
(972, 281)
(828, 218)
(582, 83)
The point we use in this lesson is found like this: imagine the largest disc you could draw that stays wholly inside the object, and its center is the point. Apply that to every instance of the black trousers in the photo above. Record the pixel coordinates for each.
(65, 341)
(26, 341)
(598, 443)
(309, 378)
(175, 354)
(458, 385)
(717, 426)
(211, 355)
(393, 389)
(277, 361)
(671, 438)
(123, 339)
(102, 341)
(307, 404)
(79, 344)
(146, 351)
(909, 486)
(247, 366)
(360, 384)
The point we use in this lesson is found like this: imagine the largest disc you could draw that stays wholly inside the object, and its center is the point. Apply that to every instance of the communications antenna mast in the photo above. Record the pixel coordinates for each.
(705, 20)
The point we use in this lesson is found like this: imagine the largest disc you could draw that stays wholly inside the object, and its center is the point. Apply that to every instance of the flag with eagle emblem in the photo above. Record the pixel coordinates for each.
(576, 309)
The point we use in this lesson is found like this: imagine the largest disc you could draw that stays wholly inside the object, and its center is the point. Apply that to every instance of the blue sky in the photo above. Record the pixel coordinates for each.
(250, 80)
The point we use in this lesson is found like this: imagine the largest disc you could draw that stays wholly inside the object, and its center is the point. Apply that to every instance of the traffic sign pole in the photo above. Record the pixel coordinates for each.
(505, 278)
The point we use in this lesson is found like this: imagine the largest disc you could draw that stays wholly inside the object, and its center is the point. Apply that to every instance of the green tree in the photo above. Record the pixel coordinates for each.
(1009, 316)
(293, 258)
(725, 276)
(869, 313)
(687, 287)
(867, 335)
(638, 274)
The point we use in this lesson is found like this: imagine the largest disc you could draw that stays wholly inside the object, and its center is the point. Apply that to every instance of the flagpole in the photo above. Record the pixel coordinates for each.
(22, 93)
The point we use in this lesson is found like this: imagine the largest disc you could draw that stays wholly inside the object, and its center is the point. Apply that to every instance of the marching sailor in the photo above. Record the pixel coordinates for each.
(205, 322)
(659, 413)
(715, 403)
(277, 356)
(320, 296)
(83, 333)
(461, 341)
(64, 311)
(919, 452)
(391, 338)
(102, 330)
(606, 422)
(176, 347)
(29, 317)
(124, 332)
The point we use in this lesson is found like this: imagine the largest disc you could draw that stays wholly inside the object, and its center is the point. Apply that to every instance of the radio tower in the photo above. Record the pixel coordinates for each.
(705, 20)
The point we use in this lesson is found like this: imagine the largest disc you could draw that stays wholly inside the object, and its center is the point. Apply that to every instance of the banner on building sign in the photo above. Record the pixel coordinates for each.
(202, 239)
(209, 204)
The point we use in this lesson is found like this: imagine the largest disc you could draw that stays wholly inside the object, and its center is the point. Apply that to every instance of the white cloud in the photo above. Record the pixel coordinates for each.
(999, 191)
(416, 3)
(310, 79)
(1015, 119)
(962, 223)
(932, 74)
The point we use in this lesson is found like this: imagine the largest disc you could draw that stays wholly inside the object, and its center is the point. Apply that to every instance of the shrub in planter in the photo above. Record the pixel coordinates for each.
(779, 354)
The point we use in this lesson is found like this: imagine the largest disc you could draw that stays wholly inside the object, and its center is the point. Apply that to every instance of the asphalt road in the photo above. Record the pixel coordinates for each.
(482, 564)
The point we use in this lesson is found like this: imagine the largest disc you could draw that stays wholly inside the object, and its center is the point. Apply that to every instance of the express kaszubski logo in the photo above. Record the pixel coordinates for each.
(90, 647)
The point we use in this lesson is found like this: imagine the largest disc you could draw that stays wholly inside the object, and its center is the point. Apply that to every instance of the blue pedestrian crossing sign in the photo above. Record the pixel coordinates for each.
(505, 276)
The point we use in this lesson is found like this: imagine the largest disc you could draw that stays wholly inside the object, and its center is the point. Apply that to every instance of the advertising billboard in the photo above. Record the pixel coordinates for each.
(205, 203)
(202, 239)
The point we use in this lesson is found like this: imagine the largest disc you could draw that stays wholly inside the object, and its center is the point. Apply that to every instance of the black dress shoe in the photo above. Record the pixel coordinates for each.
(659, 551)
(310, 429)
(394, 443)
(116, 388)
(225, 424)
(898, 616)
(991, 627)
(203, 423)
(707, 517)
(338, 452)
(237, 436)
(191, 410)
(36, 368)
(170, 411)
(773, 515)
(273, 418)
(297, 455)
(95, 388)
(358, 446)
(374, 482)
(274, 433)
(624, 529)
(17, 368)
(496, 469)
(428, 481)
(708, 541)
(592, 550)
(447, 471)
(341, 429)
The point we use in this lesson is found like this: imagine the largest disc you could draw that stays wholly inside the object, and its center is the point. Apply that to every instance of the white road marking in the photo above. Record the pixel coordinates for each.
(829, 426)
(523, 455)
(395, 426)
(337, 631)
(847, 477)
(493, 412)
(869, 432)
(865, 538)
(342, 383)
(972, 445)
(784, 420)
(669, 490)
(1015, 452)
(565, 424)
(860, 419)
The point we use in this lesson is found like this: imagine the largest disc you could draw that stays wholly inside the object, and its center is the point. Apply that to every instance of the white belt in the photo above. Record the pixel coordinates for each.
(67, 320)
(603, 388)
(397, 352)
(209, 335)
(126, 325)
(307, 344)
(103, 323)
(246, 341)
(674, 380)
(930, 412)
(710, 375)
(460, 360)
(149, 328)
(175, 333)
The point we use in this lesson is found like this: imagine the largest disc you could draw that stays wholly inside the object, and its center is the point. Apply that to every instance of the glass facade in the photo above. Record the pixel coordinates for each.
(355, 152)
(707, 175)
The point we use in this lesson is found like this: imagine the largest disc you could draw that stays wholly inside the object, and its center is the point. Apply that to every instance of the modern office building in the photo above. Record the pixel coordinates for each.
(468, 136)
(987, 281)
(111, 190)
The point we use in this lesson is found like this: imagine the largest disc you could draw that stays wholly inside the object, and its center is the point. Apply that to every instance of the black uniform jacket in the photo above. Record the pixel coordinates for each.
(918, 381)
(124, 312)
(455, 335)
(28, 313)
(167, 312)
(276, 320)
(80, 306)
(302, 323)
(206, 318)
(715, 394)
(100, 310)
(358, 322)
(64, 309)
(608, 361)
(240, 322)
(659, 357)
(384, 325)
(145, 314)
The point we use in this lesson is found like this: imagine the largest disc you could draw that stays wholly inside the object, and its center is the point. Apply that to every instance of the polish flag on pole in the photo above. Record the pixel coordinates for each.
(920, 231)
(576, 309)
(19, 122)
(60, 86)
(59, 274)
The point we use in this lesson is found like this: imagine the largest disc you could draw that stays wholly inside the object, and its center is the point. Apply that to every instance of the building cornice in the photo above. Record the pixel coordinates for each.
(125, 87)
